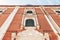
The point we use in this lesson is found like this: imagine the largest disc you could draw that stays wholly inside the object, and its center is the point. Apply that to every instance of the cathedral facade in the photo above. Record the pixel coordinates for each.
(29, 22)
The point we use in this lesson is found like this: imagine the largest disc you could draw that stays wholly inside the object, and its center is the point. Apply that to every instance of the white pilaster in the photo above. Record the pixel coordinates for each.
(7, 23)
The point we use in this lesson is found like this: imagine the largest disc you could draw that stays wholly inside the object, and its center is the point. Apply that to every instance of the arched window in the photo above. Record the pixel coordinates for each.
(29, 22)
(29, 11)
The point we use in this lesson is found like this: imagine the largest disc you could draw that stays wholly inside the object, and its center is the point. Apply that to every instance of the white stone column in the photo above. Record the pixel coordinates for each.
(7, 23)
(13, 36)
(46, 36)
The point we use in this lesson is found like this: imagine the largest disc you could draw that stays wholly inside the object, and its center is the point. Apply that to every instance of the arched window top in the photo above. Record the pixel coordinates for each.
(29, 11)
(29, 22)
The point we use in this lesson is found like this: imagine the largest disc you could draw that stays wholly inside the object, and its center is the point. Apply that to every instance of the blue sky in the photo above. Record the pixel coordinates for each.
(33, 2)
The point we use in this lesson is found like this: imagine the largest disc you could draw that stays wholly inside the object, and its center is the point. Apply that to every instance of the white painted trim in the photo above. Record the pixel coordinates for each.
(7, 23)
(55, 11)
(29, 9)
(49, 21)
(13, 36)
(2, 9)
(51, 7)
(53, 25)
(23, 18)
(34, 17)
(50, 24)
(46, 36)
(48, 17)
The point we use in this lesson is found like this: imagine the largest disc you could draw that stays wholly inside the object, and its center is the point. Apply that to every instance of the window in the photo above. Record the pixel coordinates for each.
(58, 11)
(29, 12)
(1, 10)
(29, 22)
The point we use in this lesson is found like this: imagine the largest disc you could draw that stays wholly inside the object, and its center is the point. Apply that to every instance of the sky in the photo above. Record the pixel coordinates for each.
(31, 2)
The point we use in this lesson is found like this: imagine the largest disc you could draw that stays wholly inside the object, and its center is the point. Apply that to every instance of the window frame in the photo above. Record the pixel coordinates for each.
(2, 9)
(29, 11)
(31, 20)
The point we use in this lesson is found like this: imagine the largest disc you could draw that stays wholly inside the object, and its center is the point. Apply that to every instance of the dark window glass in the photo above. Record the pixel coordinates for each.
(58, 11)
(29, 22)
(29, 11)
(0, 10)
